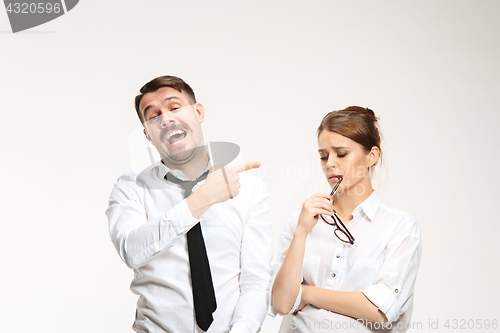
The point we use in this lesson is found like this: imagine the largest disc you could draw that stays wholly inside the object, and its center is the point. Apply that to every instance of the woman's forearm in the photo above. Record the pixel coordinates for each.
(289, 278)
(352, 304)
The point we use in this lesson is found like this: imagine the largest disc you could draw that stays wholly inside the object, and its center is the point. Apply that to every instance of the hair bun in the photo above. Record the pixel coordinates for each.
(360, 110)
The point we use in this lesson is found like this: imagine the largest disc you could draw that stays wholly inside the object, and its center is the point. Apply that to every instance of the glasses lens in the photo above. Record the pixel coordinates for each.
(341, 235)
(328, 219)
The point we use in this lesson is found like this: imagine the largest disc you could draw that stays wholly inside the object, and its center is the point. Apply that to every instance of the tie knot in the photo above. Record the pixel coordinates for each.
(187, 185)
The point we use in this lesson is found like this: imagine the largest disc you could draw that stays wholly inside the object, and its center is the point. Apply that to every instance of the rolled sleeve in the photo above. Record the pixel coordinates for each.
(385, 299)
(396, 279)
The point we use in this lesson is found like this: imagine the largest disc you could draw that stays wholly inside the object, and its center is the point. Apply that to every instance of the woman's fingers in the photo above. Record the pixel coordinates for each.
(319, 202)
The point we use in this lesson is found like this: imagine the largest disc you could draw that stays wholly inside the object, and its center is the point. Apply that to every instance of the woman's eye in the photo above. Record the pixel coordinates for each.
(341, 155)
(323, 158)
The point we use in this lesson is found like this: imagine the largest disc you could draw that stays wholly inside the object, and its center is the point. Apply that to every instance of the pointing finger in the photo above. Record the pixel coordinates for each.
(246, 166)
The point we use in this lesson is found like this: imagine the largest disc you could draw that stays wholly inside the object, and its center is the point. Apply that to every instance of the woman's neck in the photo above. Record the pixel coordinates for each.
(345, 202)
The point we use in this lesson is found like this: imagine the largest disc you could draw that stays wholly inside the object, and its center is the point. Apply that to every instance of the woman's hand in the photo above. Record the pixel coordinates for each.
(319, 203)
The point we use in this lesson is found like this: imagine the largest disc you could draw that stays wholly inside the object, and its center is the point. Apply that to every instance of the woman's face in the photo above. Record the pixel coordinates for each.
(341, 156)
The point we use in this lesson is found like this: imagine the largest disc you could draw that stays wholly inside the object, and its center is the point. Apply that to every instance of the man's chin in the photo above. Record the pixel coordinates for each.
(182, 157)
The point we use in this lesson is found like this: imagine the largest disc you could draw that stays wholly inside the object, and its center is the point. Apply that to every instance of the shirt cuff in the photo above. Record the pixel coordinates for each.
(180, 218)
(385, 299)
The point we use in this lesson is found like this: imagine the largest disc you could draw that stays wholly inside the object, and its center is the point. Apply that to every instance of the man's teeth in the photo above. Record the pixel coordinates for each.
(169, 135)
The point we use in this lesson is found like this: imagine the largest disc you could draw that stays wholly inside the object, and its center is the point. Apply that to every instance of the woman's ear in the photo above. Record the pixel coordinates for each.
(373, 156)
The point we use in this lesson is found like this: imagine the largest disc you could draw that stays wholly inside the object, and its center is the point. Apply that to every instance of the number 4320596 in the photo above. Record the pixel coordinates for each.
(463, 324)
(32, 8)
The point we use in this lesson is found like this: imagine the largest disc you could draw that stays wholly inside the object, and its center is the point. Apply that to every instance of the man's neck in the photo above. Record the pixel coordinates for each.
(191, 169)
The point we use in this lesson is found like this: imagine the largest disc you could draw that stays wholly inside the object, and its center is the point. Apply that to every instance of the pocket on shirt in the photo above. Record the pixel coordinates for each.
(360, 273)
(310, 269)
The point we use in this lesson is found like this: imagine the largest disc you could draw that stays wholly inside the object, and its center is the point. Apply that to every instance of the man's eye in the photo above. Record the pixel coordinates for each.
(154, 118)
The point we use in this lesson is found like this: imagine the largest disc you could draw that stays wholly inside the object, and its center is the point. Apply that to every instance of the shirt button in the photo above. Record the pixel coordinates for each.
(396, 291)
(333, 275)
(338, 255)
(160, 246)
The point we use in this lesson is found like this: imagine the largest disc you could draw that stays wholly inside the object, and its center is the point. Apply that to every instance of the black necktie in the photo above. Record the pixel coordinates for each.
(201, 277)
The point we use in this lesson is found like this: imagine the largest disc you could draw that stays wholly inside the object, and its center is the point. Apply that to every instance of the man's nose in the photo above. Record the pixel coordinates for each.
(165, 120)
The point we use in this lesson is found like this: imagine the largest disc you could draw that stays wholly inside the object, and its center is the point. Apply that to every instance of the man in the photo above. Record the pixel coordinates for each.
(200, 249)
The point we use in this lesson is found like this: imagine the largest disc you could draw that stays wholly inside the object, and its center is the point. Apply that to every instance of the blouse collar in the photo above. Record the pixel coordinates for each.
(369, 206)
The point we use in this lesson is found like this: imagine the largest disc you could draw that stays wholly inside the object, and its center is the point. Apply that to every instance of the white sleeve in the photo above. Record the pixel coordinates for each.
(396, 278)
(136, 237)
(279, 256)
(256, 255)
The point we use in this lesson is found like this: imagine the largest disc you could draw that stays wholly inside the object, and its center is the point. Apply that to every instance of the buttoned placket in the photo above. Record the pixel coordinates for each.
(341, 249)
(333, 280)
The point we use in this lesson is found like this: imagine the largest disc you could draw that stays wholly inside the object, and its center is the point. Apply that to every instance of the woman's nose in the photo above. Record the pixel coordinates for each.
(332, 163)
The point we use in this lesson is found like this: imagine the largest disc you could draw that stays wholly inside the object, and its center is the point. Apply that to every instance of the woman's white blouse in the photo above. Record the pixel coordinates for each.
(382, 264)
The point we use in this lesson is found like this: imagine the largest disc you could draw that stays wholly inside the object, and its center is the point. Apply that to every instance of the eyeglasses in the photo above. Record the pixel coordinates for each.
(341, 231)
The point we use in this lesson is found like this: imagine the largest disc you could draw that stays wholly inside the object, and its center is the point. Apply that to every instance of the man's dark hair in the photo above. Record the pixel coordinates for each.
(160, 82)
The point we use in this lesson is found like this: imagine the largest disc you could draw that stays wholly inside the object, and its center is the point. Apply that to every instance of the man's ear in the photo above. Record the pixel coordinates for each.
(147, 135)
(200, 112)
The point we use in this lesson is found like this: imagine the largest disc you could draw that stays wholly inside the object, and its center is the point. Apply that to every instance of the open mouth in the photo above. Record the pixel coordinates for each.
(175, 136)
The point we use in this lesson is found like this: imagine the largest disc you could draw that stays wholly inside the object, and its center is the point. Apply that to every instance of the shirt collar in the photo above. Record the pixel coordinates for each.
(163, 170)
(369, 206)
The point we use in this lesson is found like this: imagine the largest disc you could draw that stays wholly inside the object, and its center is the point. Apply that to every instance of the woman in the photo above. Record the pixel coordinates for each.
(355, 276)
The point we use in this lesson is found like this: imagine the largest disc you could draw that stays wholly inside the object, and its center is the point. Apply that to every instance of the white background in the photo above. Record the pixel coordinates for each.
(267, 72)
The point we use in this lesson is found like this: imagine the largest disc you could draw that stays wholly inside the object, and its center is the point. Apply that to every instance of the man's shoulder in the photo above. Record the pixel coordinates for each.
(129, 176)
(148, 178)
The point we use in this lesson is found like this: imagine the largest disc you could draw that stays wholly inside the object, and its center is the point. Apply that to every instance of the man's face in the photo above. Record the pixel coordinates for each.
(172, 124)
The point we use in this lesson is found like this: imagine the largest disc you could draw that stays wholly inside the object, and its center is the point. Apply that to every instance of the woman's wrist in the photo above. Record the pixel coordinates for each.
(300, 234)
(305, 294)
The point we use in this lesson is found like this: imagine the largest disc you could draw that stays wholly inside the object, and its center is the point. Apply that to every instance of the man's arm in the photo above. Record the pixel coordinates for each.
(221, 185)
(256, 255)
(136, 236)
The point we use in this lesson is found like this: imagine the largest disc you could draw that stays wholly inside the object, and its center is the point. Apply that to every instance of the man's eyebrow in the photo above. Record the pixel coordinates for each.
(166, 100)
(335, 148)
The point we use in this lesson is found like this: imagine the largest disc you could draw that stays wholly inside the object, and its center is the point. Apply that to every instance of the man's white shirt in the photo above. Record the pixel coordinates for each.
(148, 221)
